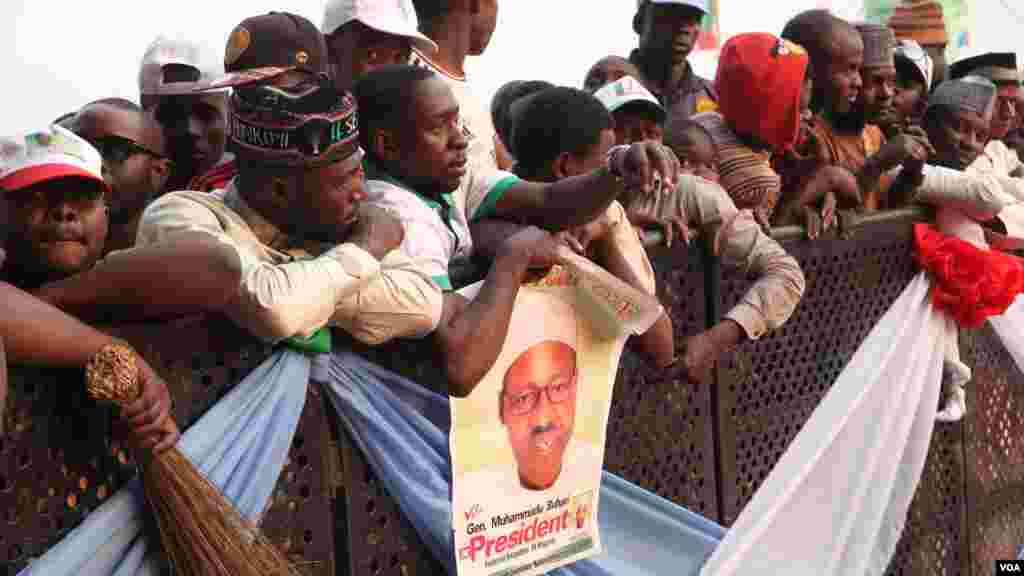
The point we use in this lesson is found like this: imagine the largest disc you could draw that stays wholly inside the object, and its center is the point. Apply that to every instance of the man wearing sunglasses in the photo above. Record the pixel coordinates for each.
(135, 164)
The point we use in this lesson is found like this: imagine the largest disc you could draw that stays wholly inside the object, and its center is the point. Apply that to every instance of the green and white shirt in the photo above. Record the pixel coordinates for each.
(437, 229)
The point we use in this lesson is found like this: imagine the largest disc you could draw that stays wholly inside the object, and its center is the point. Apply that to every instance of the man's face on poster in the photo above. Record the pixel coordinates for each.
(538, 409)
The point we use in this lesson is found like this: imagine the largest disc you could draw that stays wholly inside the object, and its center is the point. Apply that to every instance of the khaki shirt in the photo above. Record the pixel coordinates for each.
(739, 240)
(289, 290)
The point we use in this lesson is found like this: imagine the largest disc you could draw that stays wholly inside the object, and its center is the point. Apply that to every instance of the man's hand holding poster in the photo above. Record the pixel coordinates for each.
(528, 444)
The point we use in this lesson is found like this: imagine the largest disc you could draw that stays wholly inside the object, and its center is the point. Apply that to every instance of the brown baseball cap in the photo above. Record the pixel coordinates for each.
(277, 39)
(263, 47)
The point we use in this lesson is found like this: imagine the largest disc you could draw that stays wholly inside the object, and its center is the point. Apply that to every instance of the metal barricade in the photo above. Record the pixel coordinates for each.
(706, 446)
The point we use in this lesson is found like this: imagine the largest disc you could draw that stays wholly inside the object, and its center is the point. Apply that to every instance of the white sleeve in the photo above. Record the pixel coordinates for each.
(274, 301)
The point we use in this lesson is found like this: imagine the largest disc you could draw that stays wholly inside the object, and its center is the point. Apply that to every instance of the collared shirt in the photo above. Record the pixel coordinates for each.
(746, 174)
(293, 289)
(739, 240)
(437, 230)
(691, 95)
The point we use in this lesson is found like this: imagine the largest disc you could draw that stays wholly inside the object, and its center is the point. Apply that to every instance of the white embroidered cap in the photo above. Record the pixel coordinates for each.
(47, 154)
(629, 90)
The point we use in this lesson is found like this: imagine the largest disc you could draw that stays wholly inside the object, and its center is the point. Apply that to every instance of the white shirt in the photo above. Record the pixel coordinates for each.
(437, 234)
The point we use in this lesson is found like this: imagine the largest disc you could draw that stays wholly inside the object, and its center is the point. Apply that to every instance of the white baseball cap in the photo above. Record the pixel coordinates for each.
(396, 17)
(701, 5)
(916, 55)
(166, 51)
(628, 90)
(47, 154)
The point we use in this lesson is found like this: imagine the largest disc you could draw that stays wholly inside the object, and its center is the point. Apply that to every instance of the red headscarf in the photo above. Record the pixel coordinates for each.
(759, 80)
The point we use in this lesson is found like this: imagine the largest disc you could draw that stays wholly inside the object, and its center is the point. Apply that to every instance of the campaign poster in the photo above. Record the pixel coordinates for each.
(527, 444)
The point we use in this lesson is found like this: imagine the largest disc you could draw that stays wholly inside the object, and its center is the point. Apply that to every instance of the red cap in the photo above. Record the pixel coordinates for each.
(759, 81)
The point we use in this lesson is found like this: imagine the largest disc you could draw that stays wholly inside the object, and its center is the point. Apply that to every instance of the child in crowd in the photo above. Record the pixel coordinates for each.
(760, 86)
(913, 78)
(563, 132)
(734, 236)
(842, 104)
(694, 146)
(637, 113)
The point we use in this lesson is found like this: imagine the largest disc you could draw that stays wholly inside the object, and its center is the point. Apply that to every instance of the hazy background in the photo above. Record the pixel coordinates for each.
(56, 55)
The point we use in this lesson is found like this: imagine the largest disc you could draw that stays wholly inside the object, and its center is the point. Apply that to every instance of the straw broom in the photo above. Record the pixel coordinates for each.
(201, 531)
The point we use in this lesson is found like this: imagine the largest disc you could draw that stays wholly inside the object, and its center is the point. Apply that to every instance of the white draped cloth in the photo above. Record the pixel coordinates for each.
(837, 501)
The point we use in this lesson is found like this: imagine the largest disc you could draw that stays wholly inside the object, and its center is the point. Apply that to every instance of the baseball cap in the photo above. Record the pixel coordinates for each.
(47, 154)
(629, 90)
(263, 47)
(911, 52)
(701, 5)
(165, 52)
(395, 17)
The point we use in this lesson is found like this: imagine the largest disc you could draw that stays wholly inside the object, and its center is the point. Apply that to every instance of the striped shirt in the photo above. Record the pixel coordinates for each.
(746, 174)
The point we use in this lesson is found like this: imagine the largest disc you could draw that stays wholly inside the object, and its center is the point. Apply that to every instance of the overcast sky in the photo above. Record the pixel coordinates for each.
(59, 54)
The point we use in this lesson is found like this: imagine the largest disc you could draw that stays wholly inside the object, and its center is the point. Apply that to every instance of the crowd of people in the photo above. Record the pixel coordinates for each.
(329, 178)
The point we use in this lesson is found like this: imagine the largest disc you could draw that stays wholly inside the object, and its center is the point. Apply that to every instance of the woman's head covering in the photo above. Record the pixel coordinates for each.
(759, 81)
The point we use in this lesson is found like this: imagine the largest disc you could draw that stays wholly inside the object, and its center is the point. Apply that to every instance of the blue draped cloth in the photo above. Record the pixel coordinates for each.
(402, 429)
(240, 444)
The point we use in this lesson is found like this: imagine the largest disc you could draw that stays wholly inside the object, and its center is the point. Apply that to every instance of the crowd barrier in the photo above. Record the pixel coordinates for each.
(706, 445)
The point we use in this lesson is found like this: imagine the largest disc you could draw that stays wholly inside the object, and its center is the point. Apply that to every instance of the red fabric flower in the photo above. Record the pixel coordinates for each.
(968, 283)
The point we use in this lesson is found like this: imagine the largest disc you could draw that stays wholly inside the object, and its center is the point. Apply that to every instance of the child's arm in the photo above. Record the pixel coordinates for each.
(829, 187)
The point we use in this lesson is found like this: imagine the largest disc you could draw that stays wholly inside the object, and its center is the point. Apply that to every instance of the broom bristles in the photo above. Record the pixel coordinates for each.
(201, 531)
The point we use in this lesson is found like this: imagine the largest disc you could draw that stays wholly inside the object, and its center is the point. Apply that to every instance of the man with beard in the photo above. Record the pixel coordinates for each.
(837, 51)
(134, 162)
(194, 124)
(668, 31)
